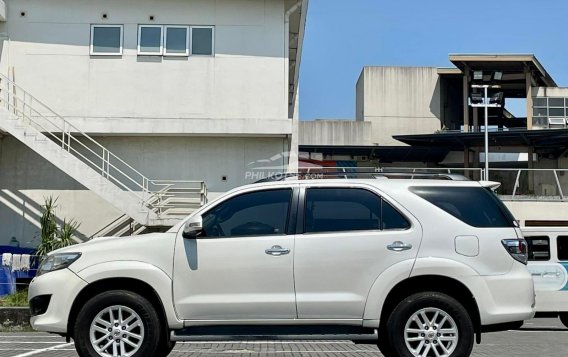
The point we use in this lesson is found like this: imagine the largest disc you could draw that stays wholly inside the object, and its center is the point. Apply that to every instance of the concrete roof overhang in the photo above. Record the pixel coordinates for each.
(508, 63)
(548, 140)
(383, 153)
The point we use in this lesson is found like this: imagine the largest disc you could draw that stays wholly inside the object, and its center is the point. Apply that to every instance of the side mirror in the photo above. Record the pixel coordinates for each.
(192, 228)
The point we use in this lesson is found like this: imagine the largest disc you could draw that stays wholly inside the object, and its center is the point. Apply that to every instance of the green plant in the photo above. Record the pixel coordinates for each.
(52, 237)
(19, 298)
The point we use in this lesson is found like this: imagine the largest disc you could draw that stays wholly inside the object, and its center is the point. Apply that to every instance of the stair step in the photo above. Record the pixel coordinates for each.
(275, 333)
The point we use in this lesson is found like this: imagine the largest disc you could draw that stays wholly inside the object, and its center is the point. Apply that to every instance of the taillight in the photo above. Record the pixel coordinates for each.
(517, 248)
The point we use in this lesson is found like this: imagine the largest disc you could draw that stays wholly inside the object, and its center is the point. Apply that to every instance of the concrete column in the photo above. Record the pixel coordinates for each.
(531, 173)
(528, 76)
(475, 119)
(466, 161)
(465, 99)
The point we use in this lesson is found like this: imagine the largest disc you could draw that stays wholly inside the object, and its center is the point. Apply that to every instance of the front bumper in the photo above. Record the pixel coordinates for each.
(504, 298)
(62, 286)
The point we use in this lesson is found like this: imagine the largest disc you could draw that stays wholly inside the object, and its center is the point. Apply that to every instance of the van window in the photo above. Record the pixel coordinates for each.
(562, 243)
(476, 206)
(539, 248)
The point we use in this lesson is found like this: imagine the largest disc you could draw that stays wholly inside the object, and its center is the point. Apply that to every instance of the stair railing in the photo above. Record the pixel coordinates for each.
(33, 112)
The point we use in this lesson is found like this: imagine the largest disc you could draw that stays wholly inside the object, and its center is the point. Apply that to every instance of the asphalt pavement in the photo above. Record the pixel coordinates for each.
(537, 338)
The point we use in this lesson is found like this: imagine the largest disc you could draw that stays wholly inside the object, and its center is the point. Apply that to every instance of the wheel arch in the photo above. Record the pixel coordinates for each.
(435, 283)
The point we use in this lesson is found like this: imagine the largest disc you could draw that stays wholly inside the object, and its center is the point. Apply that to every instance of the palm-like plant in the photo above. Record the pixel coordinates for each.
(52, 237)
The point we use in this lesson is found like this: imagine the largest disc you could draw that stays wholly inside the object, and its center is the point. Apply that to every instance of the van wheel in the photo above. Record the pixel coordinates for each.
(430, 324)
(119, 323)
(564, 318)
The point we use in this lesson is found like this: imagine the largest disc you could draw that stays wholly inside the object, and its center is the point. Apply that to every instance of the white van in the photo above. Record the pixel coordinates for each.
(548, 264)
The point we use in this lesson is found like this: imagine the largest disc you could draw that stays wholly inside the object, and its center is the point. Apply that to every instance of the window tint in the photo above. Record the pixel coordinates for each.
(150, 40)
(348, 209)
(202, 41)
(476, 206)
(259, 213)
(176, 40)
(539, 248)
(562, 243)
(392, 219)
(106, 40)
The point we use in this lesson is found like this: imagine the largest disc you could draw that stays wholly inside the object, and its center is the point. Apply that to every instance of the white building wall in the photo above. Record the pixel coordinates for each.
(26, 179)
(399, 100)
(47, 50)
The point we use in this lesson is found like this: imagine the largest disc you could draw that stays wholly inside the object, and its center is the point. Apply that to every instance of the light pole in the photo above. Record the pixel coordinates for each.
(486, 103)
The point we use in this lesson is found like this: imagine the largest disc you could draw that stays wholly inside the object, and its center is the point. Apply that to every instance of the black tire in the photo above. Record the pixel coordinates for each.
(396, 323)
(166, 348)
(564, 318)
(384, 343)
(152, 341)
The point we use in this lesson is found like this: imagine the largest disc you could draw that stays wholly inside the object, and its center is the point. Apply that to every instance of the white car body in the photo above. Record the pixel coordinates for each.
(340, 278)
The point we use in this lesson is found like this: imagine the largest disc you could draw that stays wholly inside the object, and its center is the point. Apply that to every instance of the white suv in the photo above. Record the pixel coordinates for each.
(420, 266)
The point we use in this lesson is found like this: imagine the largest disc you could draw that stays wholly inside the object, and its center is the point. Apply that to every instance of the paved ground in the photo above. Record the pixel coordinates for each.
(538, 338)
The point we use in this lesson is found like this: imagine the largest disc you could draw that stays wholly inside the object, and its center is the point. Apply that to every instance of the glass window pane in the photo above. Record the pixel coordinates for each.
(150, 39)
(392, 219)
(540, 112)
(106, 39)
(478, 207)
(341, 209)
(556, 102)
(176, 40)
(539, 248)
(539, 102)
(562, 242)
(260, 213)
(556, 112)
(202, 41)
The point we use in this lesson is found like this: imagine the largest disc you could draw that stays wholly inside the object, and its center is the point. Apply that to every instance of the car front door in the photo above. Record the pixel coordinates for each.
(241, 266)
(350, 236)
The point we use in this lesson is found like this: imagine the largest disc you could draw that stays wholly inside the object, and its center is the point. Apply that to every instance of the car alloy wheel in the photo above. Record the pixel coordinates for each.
(431, 332)
(116, 331)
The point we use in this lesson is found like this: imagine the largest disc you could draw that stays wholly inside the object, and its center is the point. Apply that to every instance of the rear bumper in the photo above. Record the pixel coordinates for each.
(502, 299)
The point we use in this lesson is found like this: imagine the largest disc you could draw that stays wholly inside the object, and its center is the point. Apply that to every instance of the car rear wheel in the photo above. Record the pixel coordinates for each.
(430, 324)
(564, 318)
(118, 323)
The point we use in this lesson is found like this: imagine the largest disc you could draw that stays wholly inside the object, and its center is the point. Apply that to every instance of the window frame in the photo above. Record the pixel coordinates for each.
(141, 53)
(91, 44)
(187, 41)
(300, 221)
(290, 219)
(191, 28)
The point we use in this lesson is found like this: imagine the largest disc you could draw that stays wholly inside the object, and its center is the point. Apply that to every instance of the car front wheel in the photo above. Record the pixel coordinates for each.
(430, 324)
(118, 323)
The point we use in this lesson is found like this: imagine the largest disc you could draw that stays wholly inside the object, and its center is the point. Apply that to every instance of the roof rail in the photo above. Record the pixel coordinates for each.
(363, 175)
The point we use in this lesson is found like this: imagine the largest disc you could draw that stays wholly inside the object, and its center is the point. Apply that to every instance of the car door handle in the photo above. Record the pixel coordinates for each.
(399, 246)
(277, 251)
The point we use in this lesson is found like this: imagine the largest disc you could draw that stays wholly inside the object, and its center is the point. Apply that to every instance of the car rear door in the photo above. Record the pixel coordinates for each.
(350, 234)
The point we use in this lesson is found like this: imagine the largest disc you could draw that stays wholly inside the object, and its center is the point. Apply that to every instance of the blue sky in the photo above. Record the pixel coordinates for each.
(343, 36)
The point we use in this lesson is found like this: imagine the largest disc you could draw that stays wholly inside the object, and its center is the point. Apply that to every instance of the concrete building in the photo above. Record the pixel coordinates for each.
(423, 117)
(176, 97)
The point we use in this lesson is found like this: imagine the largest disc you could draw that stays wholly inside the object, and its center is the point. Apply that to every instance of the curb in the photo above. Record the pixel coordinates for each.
(14, 318)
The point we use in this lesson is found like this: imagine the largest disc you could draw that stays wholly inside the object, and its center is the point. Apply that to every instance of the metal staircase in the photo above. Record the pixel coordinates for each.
(146, 201)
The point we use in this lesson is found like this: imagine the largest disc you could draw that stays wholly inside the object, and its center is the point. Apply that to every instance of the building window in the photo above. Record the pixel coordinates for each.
(150, 40)
(177, 41)
(106, 40)
(202, 40)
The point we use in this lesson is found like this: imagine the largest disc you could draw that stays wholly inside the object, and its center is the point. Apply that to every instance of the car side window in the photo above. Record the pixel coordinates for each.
(348, 209)
(562, 243)
(538, 248)
(260, 213)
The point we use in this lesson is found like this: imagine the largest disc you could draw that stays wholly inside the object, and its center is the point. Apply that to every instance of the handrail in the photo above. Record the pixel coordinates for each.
(37, 114)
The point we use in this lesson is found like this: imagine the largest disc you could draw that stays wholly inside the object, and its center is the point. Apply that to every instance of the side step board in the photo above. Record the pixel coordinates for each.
(273, 333)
